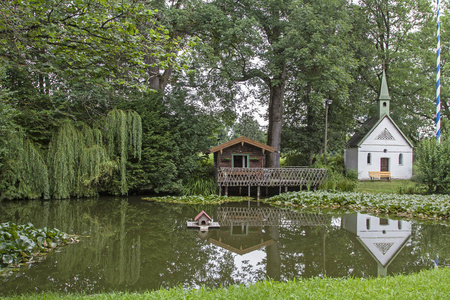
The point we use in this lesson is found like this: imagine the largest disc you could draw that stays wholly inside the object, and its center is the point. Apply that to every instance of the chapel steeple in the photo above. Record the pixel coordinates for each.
(383, 98)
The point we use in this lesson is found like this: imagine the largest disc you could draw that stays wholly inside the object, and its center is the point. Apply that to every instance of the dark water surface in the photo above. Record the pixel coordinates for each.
(133, 245)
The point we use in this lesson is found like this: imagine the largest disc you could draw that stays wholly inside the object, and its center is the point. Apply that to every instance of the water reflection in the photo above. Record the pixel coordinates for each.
(132, 245)
(382, 238)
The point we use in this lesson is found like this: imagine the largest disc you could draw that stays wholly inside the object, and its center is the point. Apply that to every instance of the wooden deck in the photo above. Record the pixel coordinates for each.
(270, 177)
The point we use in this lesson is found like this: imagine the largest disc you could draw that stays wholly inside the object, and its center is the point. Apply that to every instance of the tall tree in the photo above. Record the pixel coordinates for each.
(261, 43)
(323, 64)
(403, 34)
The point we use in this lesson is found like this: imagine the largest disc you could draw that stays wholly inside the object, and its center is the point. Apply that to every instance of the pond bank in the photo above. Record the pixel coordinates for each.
(429, 284)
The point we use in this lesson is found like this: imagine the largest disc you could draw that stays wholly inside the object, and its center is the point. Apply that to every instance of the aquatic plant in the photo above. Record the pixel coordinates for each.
(22, 243)
(196, 199)
(433, 206)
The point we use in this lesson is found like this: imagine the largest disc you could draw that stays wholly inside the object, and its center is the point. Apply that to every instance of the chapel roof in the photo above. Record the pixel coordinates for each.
(366, 129)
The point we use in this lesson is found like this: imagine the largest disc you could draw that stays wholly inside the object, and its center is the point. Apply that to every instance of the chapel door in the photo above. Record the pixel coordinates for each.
(384, 164)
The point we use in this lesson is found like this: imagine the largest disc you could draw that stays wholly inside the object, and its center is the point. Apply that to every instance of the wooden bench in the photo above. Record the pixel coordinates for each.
(379, 175)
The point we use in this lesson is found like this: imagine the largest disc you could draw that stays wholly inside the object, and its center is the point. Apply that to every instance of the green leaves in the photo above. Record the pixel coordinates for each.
(432, 206)
(433, 165)
(19, 243)
(84, 40)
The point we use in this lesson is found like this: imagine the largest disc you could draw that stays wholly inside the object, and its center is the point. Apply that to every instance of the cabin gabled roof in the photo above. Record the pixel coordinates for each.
(201, 214)
(242, 140)
(367, 128)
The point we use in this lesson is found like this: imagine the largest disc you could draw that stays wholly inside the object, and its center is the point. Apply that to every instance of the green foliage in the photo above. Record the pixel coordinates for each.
(432, 167)
(337, 180)
(81, 161)
(24, 173)
(20, 243)
(200, 186)
(85, 41)
(432, 206)
(201, 181)
(249, 127)
(123, 130)
(197, 199)
(174, 134)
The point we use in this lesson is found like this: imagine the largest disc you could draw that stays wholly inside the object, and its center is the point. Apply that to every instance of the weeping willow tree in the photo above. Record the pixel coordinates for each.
(24, 173)
(81, 160)
(123, 132)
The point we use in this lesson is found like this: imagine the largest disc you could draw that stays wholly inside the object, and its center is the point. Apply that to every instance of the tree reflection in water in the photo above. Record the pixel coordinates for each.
(132, 245)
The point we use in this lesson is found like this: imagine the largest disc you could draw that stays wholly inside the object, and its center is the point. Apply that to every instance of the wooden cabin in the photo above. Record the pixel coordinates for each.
(242, 163)
(241, 153)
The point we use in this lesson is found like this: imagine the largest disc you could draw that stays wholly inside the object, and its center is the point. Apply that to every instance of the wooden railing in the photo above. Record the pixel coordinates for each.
(292, 176)
(269, 216)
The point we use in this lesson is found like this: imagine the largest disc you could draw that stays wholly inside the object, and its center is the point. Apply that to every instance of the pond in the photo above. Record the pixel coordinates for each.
(133, 245)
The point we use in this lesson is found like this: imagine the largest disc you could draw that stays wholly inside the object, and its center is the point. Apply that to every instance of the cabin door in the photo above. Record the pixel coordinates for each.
(240, 161)
(384, 164)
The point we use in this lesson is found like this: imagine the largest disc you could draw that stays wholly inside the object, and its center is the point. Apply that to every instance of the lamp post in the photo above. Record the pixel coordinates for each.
(327, 103)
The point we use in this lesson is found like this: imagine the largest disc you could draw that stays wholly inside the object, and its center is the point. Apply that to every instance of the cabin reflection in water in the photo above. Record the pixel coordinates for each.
(247, 229)
(382, 238)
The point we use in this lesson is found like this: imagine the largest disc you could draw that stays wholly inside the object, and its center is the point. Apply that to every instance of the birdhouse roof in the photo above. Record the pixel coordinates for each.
(201, 214)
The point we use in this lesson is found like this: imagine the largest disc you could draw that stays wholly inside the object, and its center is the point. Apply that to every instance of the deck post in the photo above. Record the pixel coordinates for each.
(220, 190)
(285, 189)
(249, 191)
(258, 192)
(226, 191)
(279, 190)
(240, 190)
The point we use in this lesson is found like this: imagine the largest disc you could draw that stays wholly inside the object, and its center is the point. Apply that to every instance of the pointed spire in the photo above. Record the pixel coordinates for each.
(384, 91)
(383, 98)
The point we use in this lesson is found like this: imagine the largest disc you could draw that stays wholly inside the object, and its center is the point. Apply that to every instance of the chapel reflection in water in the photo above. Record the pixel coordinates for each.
(382, 238)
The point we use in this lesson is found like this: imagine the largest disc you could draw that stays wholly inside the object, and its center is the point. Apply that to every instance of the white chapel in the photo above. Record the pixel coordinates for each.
(380, 145)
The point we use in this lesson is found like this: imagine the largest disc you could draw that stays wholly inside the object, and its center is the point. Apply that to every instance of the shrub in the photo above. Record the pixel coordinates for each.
(201, 181)
(433, 165)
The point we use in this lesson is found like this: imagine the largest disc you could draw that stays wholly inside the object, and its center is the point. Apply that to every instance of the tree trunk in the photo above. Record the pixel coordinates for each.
(158, 82)
(276, 118)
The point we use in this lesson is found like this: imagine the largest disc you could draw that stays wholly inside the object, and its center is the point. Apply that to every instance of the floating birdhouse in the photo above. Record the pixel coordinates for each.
(203, 221)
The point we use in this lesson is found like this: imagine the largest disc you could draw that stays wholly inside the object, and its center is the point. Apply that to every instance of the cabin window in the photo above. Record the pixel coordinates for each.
(369, 158)
(240, 161)
(400, 159)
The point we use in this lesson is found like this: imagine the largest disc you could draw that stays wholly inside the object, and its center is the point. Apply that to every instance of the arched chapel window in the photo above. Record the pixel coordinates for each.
(369, 158)
(400, 159)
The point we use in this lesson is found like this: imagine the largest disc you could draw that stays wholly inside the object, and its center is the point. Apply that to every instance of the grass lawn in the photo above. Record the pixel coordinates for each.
(384, 186)
(430, 284)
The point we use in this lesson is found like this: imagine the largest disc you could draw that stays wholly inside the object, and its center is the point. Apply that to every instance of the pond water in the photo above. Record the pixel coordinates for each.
(134, 245)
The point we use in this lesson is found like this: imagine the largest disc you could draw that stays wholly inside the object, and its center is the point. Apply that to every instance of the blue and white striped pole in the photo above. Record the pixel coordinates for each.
(438, 80)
